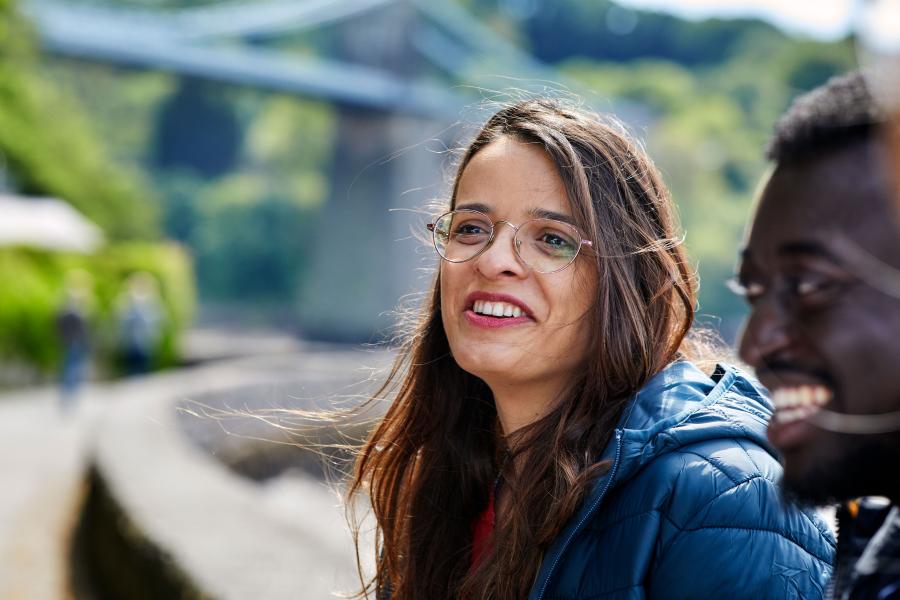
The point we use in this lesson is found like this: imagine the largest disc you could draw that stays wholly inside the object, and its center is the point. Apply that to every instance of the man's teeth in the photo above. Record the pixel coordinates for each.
(800, 402)
(497, 309)
(803, 395)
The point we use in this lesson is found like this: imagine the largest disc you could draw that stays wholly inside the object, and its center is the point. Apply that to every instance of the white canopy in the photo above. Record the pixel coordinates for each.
(46, 223)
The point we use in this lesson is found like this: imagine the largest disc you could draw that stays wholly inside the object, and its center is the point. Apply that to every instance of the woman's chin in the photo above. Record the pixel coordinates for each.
(492, 367)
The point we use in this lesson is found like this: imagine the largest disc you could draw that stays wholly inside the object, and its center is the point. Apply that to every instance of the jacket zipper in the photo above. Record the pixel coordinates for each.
(588, 514)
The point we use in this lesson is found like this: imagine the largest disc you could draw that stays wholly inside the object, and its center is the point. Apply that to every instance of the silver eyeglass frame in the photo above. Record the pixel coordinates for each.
(516, 242)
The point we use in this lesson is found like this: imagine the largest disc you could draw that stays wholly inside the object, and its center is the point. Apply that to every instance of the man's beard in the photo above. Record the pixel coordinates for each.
(859, 465)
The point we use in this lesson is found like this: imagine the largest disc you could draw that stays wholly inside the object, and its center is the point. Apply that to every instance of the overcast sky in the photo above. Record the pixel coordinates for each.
(827, 19)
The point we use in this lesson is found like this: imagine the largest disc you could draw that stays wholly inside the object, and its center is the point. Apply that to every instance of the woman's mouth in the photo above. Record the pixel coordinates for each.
(496, 309)
(492, 311)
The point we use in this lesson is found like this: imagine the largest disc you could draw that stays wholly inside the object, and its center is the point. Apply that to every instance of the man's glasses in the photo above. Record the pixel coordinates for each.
(545, 245)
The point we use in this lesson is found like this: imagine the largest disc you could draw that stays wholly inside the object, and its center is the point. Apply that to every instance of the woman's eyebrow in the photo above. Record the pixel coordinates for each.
(536, 213)
(541, 213)
(474, 206)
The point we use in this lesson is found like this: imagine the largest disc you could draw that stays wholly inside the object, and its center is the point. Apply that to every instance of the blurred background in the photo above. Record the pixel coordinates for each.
(208, 216)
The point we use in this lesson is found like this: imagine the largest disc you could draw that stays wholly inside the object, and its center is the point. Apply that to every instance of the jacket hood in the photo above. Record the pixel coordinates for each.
(680, 406)
(677, 407)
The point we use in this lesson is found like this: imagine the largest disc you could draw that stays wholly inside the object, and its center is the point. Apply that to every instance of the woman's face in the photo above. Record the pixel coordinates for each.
(511, 181)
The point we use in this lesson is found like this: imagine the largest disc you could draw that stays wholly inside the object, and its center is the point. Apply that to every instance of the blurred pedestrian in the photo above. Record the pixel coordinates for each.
(140, 322)
(821, 274)
(72, 327)
(550, 435)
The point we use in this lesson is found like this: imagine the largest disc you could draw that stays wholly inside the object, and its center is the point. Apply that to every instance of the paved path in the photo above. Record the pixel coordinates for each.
(41, 460)
(43, 456)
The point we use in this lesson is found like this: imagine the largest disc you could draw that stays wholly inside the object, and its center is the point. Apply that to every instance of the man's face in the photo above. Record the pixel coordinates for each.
(821, 272)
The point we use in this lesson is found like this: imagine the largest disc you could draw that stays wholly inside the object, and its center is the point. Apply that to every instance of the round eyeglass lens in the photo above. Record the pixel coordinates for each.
(460, 235)
(547, 245)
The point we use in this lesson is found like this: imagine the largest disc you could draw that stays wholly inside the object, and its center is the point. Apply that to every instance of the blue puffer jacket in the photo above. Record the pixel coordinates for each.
(690, 507)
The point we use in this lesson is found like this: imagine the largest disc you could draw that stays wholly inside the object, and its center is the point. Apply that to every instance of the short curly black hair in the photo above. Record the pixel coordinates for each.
(837, 113)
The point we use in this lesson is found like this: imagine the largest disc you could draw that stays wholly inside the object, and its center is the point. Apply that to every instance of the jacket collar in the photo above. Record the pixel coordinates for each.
(678, 406)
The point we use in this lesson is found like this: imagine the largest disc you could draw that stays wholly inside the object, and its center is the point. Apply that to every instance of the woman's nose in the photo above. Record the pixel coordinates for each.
(500, 257)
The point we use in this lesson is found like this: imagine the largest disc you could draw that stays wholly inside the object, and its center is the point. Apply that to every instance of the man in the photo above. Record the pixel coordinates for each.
(821, 273)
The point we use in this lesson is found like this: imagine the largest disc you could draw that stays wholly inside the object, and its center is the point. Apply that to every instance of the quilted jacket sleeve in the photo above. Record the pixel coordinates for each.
(734, 537)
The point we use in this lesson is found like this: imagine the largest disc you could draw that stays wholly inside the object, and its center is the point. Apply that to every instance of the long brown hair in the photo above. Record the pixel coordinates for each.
(429, 465)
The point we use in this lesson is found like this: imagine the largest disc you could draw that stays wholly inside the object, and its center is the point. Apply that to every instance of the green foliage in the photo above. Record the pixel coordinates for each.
(659, 85)
(251, 230)
(28, 309)
(290, 144)
(248, 229)
(251, 246)
(120, 105)
(48, 148)
(707, 135)
(557, 30)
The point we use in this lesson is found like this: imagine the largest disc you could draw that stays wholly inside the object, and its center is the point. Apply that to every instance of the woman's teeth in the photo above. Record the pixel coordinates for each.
(497, 309)
(800, 402)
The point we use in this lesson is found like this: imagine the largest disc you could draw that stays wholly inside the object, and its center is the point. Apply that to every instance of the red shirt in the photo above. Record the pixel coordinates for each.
(481, 531)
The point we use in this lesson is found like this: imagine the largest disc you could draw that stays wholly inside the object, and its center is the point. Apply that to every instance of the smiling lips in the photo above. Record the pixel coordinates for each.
(492, 311)
(799, 402)
(496, 309)
(795, 407)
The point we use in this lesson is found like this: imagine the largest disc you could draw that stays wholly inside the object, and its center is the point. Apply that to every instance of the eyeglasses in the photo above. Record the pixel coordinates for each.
(545, 245)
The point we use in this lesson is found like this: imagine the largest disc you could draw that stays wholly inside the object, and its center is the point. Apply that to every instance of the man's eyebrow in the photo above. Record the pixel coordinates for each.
(474, 206)
(540, 213)
(807, 248)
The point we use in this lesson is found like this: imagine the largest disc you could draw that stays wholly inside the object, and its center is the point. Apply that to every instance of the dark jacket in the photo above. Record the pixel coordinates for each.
(867, 566)
(690, 507)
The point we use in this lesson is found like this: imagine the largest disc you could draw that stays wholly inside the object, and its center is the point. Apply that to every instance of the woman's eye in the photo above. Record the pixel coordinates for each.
(470, 228)
(554, 240)
(471, 233)
(556, 243)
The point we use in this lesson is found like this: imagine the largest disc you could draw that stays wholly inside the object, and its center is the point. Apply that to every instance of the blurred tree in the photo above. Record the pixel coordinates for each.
(251, 230)
(289, 144)
(556, 30)
(196, 129)
(121, 104)
(251, 251)
(28, 309)
(48, 148)
(274, 186)
(709, 130)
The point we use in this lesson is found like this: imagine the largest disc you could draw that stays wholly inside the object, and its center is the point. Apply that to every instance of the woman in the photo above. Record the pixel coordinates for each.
(549, 437)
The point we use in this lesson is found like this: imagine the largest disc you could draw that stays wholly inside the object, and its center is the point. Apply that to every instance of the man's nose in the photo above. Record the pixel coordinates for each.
(765, 333)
